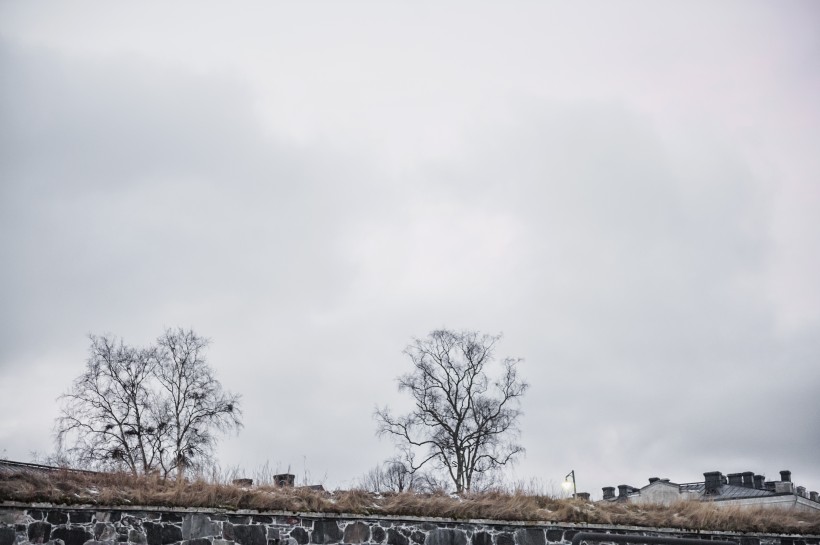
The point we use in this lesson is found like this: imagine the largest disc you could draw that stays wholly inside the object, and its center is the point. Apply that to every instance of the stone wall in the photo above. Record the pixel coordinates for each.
(54, 525)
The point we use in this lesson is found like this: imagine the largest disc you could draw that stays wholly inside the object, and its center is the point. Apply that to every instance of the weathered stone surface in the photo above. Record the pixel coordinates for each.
(57, 517)
(93, 542)
(273, 534)
(153, 533)
(300, 535)
(171, 534)
(246, 534)
(136, 536)
(396, 538)
(554, 535)
(198, 541)
(195, 526)
(357, 532)
(105, 531)
(262, 519)
(80, 517)
(482, 538)
(378, 534)
(569, 534)
(171, 517)
(417, 536)
(7, 536)
(530, 536)
(72, 536)
(446, 536)
(14, 516)
(227, 531)
(39, 532)
(504, 538)
(239, 519)
(325, 531)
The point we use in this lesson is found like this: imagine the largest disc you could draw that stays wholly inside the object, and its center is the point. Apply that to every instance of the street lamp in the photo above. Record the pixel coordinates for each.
(567, 484)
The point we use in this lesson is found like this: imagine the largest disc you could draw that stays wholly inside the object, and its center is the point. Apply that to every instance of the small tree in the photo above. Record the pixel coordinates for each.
(145, 409)
(461, 421)
(390, 476)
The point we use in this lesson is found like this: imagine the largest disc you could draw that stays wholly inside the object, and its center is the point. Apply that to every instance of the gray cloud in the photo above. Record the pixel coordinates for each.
(627, 238)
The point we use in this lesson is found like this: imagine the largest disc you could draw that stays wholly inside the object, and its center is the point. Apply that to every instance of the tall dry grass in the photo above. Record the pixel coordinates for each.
(517, 504)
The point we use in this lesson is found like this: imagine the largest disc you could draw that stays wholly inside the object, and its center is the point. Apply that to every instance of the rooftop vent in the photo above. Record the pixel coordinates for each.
(735, 479)
(759, 481)
(713, 481)
(748, 479)
(786, 476)
(609, 492)
(653, 479)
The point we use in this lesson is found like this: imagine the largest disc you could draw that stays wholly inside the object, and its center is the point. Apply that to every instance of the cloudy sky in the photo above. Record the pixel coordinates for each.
(628, 191)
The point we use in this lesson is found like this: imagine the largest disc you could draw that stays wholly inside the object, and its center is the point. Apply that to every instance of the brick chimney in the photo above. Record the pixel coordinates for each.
(759, 481)
(609, 492)
(284, 479)
(813, 496)
(735, 479)
(713, 480)
(653, 479)
(624, 490)
(748, 479)
(786, 476)
(800, 491)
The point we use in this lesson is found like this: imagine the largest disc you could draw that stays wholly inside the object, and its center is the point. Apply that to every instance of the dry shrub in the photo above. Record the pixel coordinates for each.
(66, 487)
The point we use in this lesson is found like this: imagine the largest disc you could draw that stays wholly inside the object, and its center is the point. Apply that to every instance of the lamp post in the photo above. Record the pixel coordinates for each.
(567, 483)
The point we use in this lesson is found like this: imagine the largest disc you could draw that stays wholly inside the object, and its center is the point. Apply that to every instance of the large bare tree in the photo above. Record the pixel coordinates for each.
(144, 410)
(109, 417)
(195, 404)
(461, 421)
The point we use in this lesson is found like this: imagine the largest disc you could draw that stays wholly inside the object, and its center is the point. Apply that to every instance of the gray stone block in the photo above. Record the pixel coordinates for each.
(105, 531)
(378, 534)
(446, 536)
(39, 532)
(325, 531)
(8, 536)
(246, 534)
(136, 536)
(482, 538)
(72, 536)
(195, 526)
(530, 536)
(357, 532)
(396, 538)
(300, 535)
(13, 516)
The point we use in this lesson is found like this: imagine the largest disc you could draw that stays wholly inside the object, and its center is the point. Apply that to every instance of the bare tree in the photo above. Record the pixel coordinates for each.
(108, 416)
(144, 409)
(391, 476)
(461, 422)
(195, 404)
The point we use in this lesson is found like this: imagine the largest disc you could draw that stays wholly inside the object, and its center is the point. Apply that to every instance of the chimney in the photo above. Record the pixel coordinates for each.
(735, 479)
(284, 479)
(623, 490)
(759, 481)
(609, 492)
(713, 481)
(653, 479)
(583, 496)
(786, 476)
(748, 479)
(801, 491)
(781, 487)
(243, 482)
(813, 496)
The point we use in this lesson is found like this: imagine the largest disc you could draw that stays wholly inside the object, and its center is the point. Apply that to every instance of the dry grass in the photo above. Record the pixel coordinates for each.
(125, 490)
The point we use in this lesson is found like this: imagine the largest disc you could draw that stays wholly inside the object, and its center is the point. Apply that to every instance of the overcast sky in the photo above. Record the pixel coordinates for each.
(629, 191)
